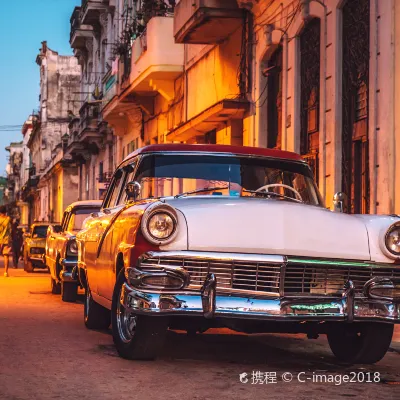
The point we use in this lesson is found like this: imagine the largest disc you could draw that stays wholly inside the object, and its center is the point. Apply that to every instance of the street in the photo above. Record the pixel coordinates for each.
(46, 352)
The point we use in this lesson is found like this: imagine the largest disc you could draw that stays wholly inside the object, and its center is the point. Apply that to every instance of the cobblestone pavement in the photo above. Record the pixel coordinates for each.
(47, 353)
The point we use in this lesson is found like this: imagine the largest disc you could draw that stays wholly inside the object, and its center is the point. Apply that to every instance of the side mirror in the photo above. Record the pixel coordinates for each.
(132, 190)
(340, 202)
(94, 214)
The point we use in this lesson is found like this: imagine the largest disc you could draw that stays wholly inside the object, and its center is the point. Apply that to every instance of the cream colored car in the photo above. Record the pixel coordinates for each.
(34, 246)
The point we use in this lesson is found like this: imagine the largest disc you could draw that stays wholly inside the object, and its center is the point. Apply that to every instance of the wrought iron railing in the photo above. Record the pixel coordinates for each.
(105, 177)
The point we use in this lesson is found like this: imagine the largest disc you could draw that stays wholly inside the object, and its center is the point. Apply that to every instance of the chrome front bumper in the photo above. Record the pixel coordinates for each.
(67, 275)
(211, 305)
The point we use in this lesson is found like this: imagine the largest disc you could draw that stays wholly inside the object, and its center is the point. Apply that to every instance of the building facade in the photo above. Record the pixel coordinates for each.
(318, 77)
(315, 77)
(53, 180)
(14, 169)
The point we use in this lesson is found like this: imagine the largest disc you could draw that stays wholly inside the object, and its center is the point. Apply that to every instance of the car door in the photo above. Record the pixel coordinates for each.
(95, 236)
(106, 251)
(51, 244)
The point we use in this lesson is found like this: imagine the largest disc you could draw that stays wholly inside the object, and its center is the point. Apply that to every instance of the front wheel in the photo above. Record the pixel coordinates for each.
(360, 343)
(136, 337)
(55, 286)
(95, 315)
(28, 266)
(69, 291)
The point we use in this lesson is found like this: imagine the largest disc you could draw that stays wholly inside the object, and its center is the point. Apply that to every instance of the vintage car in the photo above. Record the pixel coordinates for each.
(34, 246)
(198, 236)
(61, 250)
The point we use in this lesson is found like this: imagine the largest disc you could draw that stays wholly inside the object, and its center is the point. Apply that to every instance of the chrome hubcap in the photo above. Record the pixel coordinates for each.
(126, 321)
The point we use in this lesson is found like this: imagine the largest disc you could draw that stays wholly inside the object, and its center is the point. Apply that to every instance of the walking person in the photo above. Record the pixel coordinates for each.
(17, 240)
(5, 238)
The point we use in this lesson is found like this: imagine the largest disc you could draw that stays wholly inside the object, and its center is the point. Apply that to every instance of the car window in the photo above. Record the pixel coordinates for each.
(77, 217)
(64, 221)
(129, 177)
(113, 194)
(39, 231)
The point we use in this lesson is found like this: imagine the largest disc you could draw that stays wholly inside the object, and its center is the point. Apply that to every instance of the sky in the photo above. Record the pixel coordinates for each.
(24, 24)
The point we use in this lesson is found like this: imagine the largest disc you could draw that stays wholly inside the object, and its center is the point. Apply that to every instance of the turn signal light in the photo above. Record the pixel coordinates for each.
(163, 281)
(385, 292)
(383, 289)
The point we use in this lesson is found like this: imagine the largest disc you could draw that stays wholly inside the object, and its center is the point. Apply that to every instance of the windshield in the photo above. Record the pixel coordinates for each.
(39, 231)
(162, 175)
(77, 217)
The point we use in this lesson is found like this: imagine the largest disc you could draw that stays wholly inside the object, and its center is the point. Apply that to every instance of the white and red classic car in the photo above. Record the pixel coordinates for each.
(198, 236)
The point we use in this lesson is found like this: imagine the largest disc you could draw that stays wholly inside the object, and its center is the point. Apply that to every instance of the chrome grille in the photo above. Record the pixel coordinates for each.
(266, 274)
(231, 275)
(305, 279)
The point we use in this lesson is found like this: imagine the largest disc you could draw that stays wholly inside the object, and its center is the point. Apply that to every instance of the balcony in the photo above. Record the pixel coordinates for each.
(89, 120)
(206, 21)
(79, 32)
(109, 87)
(103, 180)
(156, 60)
(91, 10)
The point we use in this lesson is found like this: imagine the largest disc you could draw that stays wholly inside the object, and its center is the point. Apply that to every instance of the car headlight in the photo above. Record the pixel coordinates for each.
(72, 248)
(159, 224)
(392, 239)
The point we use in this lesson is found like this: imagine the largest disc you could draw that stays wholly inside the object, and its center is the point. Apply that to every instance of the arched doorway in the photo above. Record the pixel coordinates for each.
(355, 78)
(310, 55)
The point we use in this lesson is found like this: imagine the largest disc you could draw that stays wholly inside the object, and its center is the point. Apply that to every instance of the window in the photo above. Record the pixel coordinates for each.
(64, 221)
(211, 137)
(77, 217)
(94, 182)
(113, 193)
(130, 147)
(361, 102)
(101, 172)
(130, 176)
(274, 98)
(39, 231)
(165, 175)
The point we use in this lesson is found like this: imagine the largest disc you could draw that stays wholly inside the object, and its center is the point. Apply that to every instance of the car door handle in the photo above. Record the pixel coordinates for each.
(107, 211)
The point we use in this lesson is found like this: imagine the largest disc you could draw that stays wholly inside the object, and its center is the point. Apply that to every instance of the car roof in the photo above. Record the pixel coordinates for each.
(85, 203)
(216, 148)
(42, 223)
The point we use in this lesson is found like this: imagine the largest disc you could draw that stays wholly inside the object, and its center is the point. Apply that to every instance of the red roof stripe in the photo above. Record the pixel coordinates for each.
(217, 148)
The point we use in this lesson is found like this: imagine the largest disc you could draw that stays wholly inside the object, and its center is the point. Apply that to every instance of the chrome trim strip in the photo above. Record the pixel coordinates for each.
(68, 263)
(206, 255)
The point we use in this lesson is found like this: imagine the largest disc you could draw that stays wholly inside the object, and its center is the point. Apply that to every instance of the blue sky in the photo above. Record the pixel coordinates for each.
(24, 24)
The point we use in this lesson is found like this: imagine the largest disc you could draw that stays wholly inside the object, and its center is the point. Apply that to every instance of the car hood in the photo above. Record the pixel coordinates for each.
(269, 226)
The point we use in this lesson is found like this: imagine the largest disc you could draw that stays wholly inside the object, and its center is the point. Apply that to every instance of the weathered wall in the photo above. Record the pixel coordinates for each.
(381, 94)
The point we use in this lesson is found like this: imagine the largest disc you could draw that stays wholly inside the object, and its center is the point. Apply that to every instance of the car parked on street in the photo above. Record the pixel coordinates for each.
(34, 246)
(198, 236)
(61, 254)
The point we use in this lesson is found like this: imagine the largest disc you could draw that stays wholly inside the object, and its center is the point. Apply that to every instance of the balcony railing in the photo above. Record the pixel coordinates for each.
(91, 10)
(105, 177)
(89, 115)
(79, 31)
(109, 87)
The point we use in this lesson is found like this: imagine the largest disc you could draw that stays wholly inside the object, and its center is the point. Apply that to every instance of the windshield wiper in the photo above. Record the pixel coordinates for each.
(272, 194)
(206, 189)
